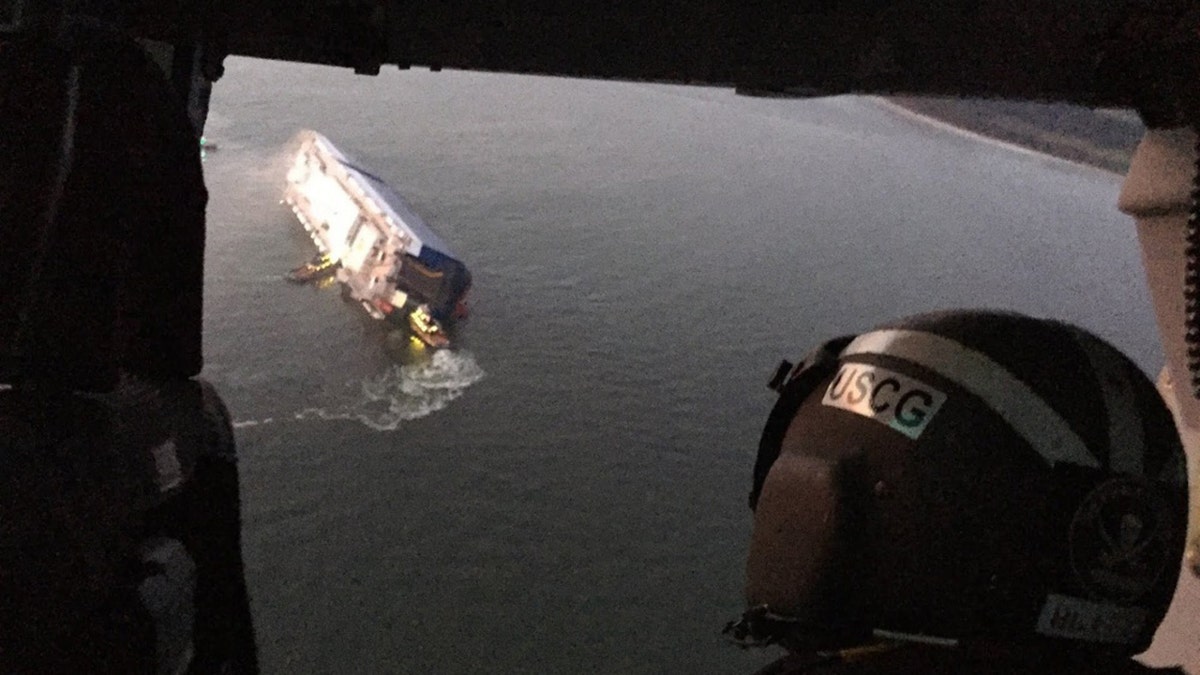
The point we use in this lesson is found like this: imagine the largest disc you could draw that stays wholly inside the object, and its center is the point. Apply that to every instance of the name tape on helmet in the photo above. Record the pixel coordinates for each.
(1077, 619)
(897, 401)
(1021, 407)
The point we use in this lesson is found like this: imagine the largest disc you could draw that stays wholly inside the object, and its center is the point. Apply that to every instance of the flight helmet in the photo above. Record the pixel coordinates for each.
(966, 478)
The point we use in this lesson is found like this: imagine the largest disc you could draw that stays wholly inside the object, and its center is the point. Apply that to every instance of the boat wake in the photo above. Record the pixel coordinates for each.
(242, 424)
(408, 392)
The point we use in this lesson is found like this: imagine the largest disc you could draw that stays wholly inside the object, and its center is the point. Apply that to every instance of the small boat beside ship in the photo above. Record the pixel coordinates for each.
(426, 328)
(320, 267)
(386, 257)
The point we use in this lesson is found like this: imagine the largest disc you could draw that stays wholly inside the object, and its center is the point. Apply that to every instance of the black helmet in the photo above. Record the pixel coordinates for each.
(968, 476)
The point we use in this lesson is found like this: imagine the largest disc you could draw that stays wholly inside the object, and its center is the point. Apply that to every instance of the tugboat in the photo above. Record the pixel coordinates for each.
(320, 267)
(386, 257)
(427, 329)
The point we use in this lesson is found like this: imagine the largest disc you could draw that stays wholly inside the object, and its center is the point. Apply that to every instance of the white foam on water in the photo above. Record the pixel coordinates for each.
(241, 424)
(408, 392)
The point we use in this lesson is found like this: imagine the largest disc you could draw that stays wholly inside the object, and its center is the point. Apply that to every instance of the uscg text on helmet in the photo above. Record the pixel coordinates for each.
(898, 401)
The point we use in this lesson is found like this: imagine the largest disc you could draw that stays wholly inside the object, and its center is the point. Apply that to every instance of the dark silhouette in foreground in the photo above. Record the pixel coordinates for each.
(119, 510)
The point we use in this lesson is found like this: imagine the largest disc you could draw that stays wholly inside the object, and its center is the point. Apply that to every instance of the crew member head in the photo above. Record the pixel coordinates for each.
(981, 480)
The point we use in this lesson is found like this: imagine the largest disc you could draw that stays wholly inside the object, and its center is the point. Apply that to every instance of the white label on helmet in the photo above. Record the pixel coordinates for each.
(1077, 619)
(1035, 420)
(898, 401)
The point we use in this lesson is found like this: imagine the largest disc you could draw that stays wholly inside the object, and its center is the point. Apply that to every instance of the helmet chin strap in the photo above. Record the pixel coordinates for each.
(760, 626)
(914, 638)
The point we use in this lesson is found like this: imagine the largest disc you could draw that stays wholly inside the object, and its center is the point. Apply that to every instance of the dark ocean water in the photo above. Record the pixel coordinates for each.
(566, 491)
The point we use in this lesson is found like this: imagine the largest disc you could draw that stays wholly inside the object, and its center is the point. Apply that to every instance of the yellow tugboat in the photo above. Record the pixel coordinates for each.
(427, 328)
(318, 269)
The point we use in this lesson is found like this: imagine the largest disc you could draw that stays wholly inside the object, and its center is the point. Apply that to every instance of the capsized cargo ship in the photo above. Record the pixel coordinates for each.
(369, 239)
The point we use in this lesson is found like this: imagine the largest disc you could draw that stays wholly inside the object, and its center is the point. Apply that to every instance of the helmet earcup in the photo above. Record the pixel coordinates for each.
(816, 366)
